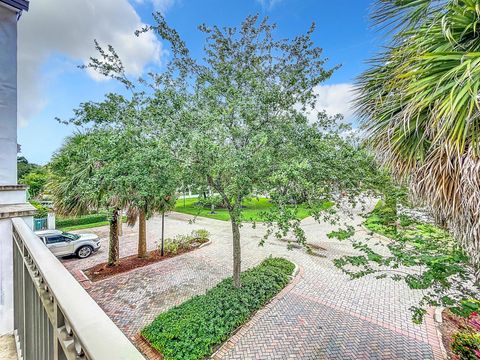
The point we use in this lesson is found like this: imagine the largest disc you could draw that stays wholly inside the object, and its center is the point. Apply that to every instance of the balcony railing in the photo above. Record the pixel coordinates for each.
(54, 317)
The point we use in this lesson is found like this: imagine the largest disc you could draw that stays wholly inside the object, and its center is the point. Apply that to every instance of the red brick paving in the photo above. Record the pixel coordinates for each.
(323, 315)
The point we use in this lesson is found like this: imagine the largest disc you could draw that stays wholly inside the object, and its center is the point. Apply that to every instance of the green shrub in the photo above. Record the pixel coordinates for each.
(201, 234)
(42, 211)
(195, 328)
(181, 242)
(177, 243)
(382, 220)
(171, 246)
(81, 220)
(466, 308)
(464, 344)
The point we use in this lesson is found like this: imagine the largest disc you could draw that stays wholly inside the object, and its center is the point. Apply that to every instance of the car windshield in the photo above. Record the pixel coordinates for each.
(71, 236)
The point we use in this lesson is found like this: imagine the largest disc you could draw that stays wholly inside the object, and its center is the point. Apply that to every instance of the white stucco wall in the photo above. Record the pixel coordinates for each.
(6, 277)
(8, 158)
(8, 96)
(13, 197)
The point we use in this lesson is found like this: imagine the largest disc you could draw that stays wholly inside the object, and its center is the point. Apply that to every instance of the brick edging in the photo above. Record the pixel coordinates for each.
(149, 352)
(83, 279)
(297, 275)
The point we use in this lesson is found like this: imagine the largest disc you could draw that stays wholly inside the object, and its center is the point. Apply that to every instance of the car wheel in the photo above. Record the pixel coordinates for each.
(84, 252)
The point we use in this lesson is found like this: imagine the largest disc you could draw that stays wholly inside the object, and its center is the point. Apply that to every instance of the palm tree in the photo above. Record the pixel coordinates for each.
(81, 183)
(150, 176)
(420, 106)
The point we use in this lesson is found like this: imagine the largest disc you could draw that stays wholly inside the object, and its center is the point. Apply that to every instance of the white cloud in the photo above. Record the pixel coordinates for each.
(269, 4)
(159, 5)
(335, 99)
(68, 28)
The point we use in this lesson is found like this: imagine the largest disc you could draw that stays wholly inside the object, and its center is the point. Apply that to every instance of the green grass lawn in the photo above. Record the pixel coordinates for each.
(88, 225)
(84, 226)
(252, 211)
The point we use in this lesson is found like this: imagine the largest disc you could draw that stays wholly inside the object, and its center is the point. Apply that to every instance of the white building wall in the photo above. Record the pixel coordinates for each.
(13, 197)
(8, 160)
(8, 96)
(6, 277)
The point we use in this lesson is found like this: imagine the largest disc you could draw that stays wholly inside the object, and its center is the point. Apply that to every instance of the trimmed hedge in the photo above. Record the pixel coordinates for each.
(194, 329)
(81, 220)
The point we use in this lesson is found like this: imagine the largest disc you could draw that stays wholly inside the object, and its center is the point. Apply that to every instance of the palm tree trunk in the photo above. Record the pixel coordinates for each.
(120, 229)
(113, 246)
(162, 247)
(142, 234)
(237, 259)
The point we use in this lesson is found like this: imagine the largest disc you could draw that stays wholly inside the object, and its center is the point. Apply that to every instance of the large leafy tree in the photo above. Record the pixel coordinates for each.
(242, 123)
(420, 103)
(36, 180)
(24, 167)
(247, 131)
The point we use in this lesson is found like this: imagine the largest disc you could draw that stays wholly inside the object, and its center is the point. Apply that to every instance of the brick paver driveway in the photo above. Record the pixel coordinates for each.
(325, 315)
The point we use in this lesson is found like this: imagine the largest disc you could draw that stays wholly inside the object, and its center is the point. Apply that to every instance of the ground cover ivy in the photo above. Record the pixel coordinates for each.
(194, 329)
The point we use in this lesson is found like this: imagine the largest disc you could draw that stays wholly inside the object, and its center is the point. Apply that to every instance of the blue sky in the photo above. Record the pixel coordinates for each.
(52, 43)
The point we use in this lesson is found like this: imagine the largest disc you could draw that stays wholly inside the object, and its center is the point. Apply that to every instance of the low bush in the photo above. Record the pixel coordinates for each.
(194, 329)
(171, 247)
(184, 242)
(42, 211)
(81, 220)
(201, 234)
(466, 308)
(466, 345)
(378, 221)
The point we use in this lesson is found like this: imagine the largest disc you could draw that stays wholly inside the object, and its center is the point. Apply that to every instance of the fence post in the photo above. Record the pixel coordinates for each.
(51, 221)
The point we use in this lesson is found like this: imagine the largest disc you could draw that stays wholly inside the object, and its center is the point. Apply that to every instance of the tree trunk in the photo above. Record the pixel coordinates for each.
(113, 248)
(162, 248)
(237, 259)
(142, 235)
(119, 227)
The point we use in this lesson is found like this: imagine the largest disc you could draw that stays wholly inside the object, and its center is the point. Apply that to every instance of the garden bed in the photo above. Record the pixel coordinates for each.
(460, 335)
(103, 271)
(451, 324)
(198, 327)
(173, 247)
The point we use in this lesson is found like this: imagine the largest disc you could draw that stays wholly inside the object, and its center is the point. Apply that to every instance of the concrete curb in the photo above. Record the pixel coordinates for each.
(434, 335)
(205, 244)
(438, 319)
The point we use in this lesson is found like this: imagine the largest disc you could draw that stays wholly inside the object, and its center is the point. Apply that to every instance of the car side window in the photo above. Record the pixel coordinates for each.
(54, 239)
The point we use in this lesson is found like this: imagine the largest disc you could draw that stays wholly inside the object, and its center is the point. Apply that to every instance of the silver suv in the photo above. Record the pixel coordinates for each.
(64, 244)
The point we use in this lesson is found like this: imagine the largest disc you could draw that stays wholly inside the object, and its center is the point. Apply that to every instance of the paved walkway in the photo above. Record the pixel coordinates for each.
(325, 315)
